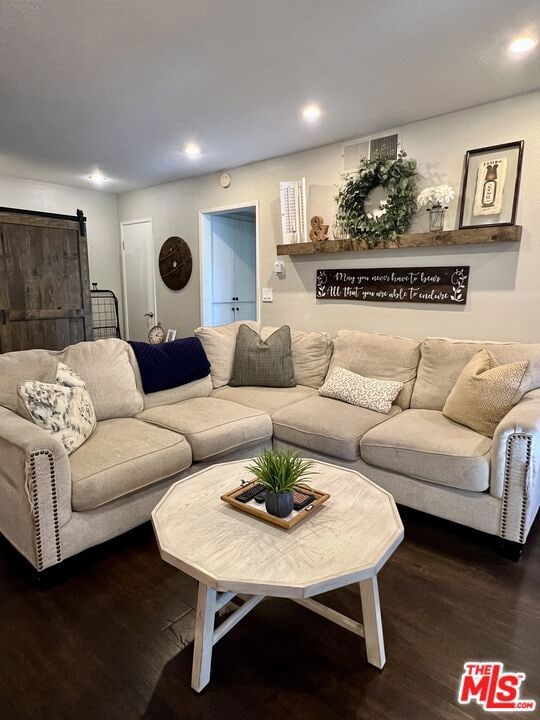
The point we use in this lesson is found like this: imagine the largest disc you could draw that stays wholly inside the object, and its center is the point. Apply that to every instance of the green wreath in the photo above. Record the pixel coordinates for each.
(394, 215)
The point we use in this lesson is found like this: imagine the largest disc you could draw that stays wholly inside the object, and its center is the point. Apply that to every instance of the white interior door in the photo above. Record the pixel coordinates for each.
(139, 278)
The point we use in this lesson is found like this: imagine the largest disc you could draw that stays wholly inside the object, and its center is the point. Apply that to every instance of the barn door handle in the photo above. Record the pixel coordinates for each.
(150, 314)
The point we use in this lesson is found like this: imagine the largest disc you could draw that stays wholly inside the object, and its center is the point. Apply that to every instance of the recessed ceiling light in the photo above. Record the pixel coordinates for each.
(522, 45)
(311, 112)
(192, 149)
(97, 178)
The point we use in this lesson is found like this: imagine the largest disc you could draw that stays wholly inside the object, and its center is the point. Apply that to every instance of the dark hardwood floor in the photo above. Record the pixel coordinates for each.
(93, 645)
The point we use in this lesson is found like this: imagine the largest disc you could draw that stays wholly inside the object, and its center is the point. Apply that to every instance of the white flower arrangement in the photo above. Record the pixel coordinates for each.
(378, 212)
(440, 196)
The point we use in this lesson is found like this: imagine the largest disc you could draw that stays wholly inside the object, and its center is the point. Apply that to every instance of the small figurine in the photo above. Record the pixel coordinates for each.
(319, 231)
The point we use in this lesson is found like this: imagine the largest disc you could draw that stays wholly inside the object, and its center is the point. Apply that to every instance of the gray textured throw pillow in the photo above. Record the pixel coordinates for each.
(263, 362)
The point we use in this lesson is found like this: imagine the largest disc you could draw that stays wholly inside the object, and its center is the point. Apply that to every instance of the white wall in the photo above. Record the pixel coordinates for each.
(100, 209)
(504, 290)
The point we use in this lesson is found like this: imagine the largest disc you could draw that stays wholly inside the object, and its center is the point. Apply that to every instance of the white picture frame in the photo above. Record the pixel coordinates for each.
(171, 335)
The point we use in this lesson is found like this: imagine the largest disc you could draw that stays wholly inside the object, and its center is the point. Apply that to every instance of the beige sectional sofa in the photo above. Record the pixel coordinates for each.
(53, 506)
(425, 460)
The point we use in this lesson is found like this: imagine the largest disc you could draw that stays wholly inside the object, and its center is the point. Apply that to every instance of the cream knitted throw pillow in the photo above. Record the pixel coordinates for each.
(484, 392)
(354, 389)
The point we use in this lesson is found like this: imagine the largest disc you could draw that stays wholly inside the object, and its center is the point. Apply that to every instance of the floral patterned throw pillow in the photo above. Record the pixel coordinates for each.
(63, 409)
(355, 389)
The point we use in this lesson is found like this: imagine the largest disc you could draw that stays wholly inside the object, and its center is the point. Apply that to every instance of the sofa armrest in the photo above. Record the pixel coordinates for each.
(35, 489)
(515, 471)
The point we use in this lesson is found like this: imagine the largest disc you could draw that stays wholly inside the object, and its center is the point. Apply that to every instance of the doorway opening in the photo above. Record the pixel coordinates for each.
(229, 260)
(138, 278)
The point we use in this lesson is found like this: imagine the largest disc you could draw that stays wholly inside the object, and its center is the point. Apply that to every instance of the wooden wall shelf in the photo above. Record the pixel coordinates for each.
(468, 236)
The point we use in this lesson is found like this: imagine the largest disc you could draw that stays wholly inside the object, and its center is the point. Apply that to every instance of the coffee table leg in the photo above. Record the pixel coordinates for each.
(204, 631)
(371, 611)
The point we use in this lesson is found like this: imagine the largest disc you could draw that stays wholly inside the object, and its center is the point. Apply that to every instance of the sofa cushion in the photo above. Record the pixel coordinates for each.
(443, 359)
(379, 356)
(195, 389)
(426, 445)
(170, 364)
(328, 426)
(268, 399)
(22, 366)
(211, 426)
(105, 367)
(266, 363)
(122, 456)
(219, 344)
(311, 353)
(484, 391)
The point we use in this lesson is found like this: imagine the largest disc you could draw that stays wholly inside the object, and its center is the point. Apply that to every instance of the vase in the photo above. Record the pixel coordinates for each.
(279, 504)
(436, 217)
(339, 231)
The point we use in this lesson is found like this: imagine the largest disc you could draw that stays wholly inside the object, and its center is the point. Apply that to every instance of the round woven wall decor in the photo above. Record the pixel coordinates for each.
(175, 263)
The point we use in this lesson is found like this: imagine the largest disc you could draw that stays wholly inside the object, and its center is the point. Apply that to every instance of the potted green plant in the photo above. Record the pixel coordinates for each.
(280, 474)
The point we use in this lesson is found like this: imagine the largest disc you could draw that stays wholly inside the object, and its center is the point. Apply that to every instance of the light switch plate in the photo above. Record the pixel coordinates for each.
(268, 295)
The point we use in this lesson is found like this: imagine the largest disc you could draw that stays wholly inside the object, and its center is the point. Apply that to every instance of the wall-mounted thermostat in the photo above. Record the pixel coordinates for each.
(279, 267)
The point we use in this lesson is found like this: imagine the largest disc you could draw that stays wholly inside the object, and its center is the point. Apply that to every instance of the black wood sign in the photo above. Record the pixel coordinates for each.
(446, 285)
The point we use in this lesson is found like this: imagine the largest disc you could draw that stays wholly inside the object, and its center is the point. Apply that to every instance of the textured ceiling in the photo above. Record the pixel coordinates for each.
(122, 85)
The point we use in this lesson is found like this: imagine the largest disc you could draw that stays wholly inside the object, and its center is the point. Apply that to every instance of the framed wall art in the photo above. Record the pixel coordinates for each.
(490, 188)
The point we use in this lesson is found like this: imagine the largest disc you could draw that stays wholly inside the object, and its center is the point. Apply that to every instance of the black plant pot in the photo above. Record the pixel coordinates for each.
(279, 504)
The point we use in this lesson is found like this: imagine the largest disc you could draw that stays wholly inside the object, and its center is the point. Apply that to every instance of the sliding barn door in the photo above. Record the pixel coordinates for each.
(44, 282)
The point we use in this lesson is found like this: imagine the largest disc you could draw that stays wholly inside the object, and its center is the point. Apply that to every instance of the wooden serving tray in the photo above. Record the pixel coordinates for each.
(259, 511)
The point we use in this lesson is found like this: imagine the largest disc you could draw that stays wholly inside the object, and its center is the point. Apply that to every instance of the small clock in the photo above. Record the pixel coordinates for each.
(225, 180)
(156, 335)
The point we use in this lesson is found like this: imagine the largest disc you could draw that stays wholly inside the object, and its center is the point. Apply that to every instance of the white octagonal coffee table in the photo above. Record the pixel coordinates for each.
(228, 552)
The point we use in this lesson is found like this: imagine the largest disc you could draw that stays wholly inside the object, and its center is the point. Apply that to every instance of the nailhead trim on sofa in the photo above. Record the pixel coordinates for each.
(34, 495)
(509, 459)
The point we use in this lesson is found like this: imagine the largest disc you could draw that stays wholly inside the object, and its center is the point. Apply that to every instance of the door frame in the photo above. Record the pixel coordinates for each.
(203, 226)
(152, 268)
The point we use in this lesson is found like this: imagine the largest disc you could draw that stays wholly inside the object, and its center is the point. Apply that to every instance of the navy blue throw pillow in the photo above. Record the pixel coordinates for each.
(171, 364)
